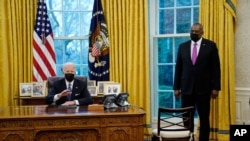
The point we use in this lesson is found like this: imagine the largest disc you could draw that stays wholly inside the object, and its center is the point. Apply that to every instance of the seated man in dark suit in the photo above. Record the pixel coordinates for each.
(69, 90)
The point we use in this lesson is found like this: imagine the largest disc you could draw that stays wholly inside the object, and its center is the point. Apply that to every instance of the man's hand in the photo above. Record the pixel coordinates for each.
(214, 94)
(177, 93)
(64, 93)
(69, 103)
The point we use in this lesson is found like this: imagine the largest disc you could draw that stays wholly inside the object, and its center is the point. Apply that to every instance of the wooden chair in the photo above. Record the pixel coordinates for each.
(170, 125)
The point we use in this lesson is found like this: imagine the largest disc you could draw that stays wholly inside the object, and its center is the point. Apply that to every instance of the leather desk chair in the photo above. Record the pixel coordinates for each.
(52, 79)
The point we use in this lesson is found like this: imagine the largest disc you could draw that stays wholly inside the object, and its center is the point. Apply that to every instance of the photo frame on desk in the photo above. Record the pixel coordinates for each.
(25, 89)
(39, 89)
(91, 83)
(112, 88)
(100, 85)
(92, 90)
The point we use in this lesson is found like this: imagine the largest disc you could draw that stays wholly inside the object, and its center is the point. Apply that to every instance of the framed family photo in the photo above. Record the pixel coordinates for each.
(39, 89)
(92, 90)
(112, 88)
(26, 89)
(100, 85)
(91, 83)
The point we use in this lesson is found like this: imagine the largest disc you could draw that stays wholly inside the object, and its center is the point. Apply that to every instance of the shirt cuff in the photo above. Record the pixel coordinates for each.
(56, 97)
(77, 102)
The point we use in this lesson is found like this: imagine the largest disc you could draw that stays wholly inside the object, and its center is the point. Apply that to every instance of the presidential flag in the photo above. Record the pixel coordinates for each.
(44, 60)
(98, 45)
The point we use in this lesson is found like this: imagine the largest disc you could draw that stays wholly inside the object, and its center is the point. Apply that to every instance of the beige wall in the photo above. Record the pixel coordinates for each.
(242, 62)
(242, 44)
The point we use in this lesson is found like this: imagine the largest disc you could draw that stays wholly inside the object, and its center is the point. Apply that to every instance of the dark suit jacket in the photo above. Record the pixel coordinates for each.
(202, 77)
(79, 92)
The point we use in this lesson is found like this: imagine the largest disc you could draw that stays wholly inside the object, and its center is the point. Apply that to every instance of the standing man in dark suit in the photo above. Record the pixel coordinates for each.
(69, 90)
(197, 76)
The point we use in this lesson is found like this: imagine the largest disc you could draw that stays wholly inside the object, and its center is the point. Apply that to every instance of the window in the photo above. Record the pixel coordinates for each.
(70, 20)
(170, 22)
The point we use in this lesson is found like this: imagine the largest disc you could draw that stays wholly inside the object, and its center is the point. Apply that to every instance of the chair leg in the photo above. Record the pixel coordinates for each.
(155, 138)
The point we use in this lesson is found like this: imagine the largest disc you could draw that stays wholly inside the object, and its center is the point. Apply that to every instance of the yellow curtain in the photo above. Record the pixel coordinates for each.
(16, 29)
(218, 19)
(127, 22)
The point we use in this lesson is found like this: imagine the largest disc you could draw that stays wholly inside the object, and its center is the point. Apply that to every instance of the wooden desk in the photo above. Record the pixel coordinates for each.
(41, 100)
(40, 123)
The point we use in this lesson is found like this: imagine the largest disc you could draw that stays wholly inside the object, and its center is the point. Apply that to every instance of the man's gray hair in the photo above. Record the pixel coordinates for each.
(69, 63)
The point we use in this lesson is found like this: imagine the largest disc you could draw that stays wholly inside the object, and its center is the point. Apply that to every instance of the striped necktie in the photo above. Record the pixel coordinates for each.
(70, 89)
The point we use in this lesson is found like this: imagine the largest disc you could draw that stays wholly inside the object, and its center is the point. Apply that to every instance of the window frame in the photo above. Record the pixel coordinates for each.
(63, 37)
(154, 64)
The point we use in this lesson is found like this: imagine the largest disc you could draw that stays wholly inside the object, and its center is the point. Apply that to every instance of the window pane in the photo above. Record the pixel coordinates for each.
(59, 70)
(196, 15)
(166, 3)
(85, 24)
(54, 4)
(73, 51)
(86, 5)
(59, 49)
(78, 69)
(165, 77)
(165, 50)
(71, 22)
(165, 99)
(183, 22)
(177, 102)
(166, 21)
(85, 51)
(68, 51)
(71, 5)
(178, 41)
(183, 3)
(196, 2)
(85, 70)
(56, 23)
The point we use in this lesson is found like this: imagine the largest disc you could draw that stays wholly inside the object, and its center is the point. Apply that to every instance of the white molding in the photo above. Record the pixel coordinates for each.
(242, 89)
(242, 105)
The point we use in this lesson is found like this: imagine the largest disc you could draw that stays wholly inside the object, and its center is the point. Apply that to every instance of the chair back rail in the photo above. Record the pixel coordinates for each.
(171, 120)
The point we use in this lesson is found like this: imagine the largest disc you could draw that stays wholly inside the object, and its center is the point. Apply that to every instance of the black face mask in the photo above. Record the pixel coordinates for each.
(194, 37)
(69, 76)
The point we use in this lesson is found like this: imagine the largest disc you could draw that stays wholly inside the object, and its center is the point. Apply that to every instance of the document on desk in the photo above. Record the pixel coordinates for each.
(67, 106)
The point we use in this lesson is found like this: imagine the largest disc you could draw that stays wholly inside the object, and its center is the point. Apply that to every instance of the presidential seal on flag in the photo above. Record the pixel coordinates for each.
(100, 44)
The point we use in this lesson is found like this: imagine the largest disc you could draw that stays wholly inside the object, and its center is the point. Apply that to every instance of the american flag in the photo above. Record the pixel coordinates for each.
(44, 60)
(95, 51)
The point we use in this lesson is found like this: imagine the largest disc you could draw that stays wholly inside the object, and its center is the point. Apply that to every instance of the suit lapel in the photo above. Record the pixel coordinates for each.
(188, 50)
(75, 88)
(63, 84)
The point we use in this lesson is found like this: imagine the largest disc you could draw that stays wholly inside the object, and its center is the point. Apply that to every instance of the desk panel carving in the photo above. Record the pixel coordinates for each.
(49, 123)
(120, 134)
(35, 123)
(66, 135)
